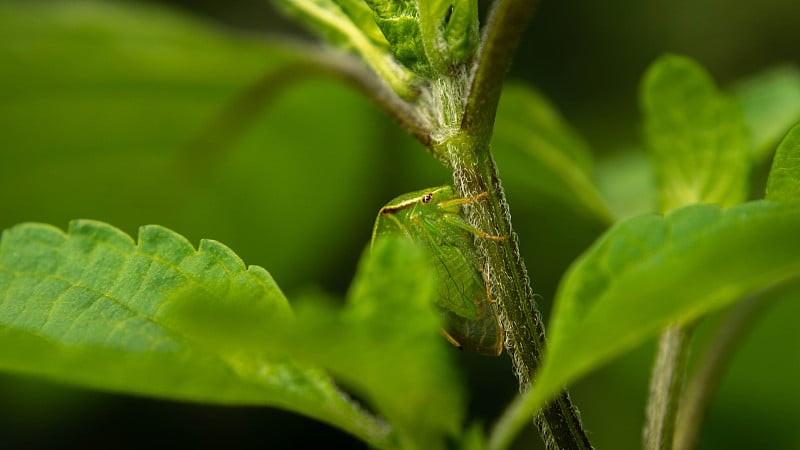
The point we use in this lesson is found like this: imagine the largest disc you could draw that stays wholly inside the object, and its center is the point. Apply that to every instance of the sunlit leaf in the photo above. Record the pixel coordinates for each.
(642, 276)
(696, 136)
(92, 307)
(344, 25)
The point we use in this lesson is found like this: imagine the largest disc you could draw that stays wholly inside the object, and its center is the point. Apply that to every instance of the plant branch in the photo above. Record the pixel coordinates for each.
(502, 34)
(209, 146)
(666, 386)
(475, 172)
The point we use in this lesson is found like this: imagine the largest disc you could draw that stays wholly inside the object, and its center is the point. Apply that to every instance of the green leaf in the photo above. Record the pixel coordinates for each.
(92, 307)
(123, 132)
(540, 152)
(771, 104)
(346, 23)
(696, 136)
(329, 19)
(383, 343)
(474, 438)
(642, 276)
(393, 331)
(762, 376)
(398, 19)
(626, 181)
(362, 17)
(783, 184)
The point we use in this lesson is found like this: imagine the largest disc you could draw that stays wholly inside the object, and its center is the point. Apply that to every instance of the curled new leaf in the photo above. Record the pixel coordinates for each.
(398, 19)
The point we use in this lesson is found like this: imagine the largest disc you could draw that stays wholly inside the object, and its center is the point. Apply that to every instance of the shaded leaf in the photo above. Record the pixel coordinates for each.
(536, 149)
(783, 184)
(626, 180)
(383, 343)
(696, 136)
(762, 380)
(771, 104)
(115, 134)
(91, 307)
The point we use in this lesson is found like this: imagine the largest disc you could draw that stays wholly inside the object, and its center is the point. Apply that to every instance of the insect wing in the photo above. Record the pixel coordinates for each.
(470, 317)
(461, 287)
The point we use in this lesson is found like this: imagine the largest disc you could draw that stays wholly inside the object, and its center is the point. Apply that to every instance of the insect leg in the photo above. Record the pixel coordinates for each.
(488, 290)
(464, 201)
(451, 339)
(457, 221)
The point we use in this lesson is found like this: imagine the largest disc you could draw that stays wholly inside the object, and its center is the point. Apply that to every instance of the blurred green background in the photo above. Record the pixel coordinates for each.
(124, 112)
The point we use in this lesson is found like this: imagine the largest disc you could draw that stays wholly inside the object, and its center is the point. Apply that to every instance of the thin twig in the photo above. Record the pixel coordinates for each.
(210, 145)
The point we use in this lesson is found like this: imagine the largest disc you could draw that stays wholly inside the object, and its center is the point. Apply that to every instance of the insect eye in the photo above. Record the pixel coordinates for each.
(427, 198)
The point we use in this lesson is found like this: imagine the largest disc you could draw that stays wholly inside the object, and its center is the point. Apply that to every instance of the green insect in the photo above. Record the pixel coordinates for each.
(432, 217)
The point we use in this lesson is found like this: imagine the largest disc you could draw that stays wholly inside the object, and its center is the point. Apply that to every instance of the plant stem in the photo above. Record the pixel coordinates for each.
(210, 145)
(475, 172)
(666, 385)
(502, 34)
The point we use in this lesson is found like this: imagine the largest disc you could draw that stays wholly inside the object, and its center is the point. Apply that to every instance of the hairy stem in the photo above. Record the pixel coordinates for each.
(475, 172)
(666, 386)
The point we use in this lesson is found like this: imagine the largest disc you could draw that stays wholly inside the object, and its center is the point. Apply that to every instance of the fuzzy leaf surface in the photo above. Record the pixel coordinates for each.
(398, 20)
